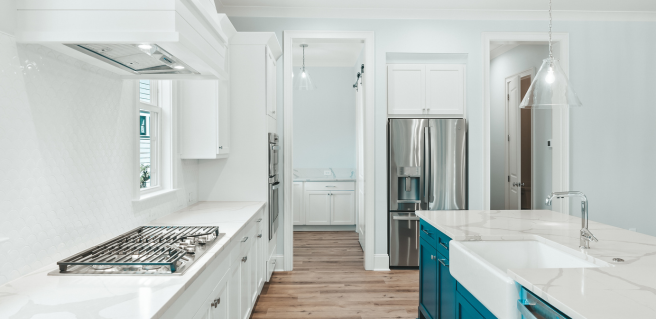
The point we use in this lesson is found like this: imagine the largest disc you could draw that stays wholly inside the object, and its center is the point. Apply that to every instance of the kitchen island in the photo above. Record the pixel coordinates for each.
(38, 295)
(625, 289)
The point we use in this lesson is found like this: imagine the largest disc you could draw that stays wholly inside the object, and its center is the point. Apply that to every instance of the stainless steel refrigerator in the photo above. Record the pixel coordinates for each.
(427, 160)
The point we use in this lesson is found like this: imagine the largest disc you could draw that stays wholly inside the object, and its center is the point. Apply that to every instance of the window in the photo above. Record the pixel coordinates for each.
(149, 135)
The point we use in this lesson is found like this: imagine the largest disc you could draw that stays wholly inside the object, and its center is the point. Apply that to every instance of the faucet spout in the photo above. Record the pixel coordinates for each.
(586, 236)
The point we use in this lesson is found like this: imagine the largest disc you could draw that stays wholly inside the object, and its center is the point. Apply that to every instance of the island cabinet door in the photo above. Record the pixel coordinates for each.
(447, 289)
(428, 280)
(464, 310)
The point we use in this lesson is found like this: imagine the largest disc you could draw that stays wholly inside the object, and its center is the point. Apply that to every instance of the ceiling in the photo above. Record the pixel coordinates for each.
(447, 9)
(327, 52)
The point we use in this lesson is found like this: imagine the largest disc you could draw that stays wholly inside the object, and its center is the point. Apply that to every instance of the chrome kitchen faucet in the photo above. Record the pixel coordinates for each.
(586, 235)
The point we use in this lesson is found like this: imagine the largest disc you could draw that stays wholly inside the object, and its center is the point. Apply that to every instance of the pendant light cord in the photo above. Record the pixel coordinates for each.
(550, 19)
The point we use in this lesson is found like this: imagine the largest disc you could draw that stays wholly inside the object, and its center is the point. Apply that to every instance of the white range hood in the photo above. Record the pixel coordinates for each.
(145, 39)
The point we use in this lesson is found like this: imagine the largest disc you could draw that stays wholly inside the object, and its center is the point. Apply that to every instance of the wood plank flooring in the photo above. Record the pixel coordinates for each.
(329, 281)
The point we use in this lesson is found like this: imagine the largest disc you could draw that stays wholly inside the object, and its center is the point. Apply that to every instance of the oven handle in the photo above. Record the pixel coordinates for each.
(404, 218)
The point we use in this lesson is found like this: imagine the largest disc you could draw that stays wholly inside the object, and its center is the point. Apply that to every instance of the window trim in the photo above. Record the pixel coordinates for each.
(152, 107)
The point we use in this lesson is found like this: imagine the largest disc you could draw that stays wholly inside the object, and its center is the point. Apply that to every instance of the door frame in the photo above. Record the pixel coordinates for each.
(369, 60)
(560, 118)
(530, 72)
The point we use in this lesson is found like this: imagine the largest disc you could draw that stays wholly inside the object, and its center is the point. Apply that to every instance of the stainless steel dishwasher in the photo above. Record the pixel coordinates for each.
(532, 307)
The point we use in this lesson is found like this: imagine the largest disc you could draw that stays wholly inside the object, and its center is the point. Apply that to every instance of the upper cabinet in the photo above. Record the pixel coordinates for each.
(270, 83)
(426, 89)
(204, 110)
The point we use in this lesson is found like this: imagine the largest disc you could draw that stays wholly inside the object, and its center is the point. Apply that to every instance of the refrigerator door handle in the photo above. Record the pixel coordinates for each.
(427, 165)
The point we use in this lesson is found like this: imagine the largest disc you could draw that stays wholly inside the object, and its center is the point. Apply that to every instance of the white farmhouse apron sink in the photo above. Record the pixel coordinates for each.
(481, 266)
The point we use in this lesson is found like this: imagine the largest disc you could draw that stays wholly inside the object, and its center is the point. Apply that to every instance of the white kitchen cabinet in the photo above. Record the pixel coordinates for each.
(325, 203)
(426, 89)
(445, 89)
(342, 208)
(298, 209)
(406, 89)
(229, 286)
(317, 207)
(271, 102)
(204, 110)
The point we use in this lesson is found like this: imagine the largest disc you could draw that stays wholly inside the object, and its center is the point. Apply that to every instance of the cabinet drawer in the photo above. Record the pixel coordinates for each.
(246, 238)
(329, 186)
(434, 237)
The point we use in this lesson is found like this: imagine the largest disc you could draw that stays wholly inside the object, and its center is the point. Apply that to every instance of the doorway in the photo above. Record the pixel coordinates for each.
(549, 128)
(362, 173)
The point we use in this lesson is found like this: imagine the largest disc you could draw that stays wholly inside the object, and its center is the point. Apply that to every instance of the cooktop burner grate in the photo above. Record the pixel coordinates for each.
(144, 250)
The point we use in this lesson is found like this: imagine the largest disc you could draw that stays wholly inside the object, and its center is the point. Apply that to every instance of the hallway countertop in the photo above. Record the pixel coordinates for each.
(40, 295)
(626, 290)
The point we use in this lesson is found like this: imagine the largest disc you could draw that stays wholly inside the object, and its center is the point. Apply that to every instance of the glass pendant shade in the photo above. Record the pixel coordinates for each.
(550, 89)
(303, 81)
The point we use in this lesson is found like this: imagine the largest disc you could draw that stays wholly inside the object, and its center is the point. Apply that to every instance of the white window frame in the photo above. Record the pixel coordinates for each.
(155, 136)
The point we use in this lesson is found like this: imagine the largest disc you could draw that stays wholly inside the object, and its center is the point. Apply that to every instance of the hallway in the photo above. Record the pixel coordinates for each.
(329, 281)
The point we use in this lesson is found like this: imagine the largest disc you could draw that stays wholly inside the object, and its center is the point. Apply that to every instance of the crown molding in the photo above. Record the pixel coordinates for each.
(439, 14)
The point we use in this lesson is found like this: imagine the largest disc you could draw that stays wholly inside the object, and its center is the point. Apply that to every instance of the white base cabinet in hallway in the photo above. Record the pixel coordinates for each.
(324, 203)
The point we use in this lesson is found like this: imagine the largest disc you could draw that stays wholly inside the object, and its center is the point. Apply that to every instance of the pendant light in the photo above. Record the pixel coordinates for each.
(303, 80)
(550, 87)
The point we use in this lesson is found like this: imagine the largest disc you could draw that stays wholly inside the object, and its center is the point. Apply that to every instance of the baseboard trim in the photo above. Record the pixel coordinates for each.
(324, 227)
(279, 262)
(381, 262)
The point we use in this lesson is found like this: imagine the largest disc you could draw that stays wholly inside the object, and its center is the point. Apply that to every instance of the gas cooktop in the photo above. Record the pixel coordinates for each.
(145, 250)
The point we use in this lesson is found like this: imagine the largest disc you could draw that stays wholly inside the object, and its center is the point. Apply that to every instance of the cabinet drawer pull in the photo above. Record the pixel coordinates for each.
(243, 240)
(259, 220)
(259, 236)
(444, 262)
(432, 257)
(330, 186)
(426, 232)
(443, 245)
(243, 259)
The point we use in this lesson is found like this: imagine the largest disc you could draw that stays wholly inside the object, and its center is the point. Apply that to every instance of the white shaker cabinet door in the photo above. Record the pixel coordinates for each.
(234, 290)
(406, 89)
(298, 208)
(317, 208)
(219, 305)
(342, 208)
(445, 89)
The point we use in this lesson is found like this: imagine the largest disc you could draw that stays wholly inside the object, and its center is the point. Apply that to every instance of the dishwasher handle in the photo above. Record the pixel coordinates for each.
(404, 218)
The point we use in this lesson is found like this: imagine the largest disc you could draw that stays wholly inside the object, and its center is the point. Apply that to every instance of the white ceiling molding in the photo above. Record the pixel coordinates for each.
(439, 14)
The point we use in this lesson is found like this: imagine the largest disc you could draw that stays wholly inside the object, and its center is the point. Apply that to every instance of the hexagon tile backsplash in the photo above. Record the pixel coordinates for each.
(65, 158)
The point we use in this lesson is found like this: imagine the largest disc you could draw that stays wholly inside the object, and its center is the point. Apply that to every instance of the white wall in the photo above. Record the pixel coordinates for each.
(66, 138)
(610, 67)
(517, 60)
(324, 120)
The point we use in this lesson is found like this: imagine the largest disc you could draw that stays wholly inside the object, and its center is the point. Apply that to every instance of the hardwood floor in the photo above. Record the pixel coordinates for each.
(329, 281)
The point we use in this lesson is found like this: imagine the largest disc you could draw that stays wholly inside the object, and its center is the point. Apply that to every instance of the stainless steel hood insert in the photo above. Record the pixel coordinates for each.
(136, 58)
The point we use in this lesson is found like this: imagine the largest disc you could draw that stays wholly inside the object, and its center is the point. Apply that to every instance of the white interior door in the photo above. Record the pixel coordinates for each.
(359, 182)
(513, 140)
(317, 208)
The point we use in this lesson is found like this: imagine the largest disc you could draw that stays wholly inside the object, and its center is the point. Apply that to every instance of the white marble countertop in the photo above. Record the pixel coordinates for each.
(317, 175)
(38, 295)
(627, 290)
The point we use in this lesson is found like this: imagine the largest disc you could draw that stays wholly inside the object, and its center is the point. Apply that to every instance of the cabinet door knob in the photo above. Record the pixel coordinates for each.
(243, 259)
(216, 302)
(220, 147)
(259, 220)
(259, 236)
